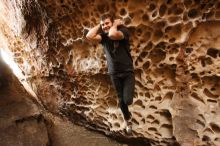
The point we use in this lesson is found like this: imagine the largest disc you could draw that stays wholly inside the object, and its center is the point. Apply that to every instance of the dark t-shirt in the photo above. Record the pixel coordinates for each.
(117, 52)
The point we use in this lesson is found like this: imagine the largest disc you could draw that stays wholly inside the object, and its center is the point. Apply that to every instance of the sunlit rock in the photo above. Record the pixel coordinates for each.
(176, 101)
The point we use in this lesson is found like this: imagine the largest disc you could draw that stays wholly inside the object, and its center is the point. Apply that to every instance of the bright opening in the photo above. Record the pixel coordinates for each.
(8, 59)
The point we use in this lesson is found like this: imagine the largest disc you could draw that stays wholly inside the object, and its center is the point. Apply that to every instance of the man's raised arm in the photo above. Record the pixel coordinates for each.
(93, 35)
(114, 34)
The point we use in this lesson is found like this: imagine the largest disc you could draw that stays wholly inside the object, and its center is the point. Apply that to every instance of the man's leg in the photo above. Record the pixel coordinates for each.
(128, 94)
(128, 88)
(124, 84)
(117, 82)
(124, 109)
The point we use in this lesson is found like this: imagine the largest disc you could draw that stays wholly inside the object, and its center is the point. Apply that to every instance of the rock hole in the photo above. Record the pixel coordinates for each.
(215, 127)
(193, 13)
(152, 129)
(152, 7)
(154, 14)
(211, 101)
(147, 94)
(178, 11)
(187, 3)
(139, 103)
(168, 126)
(171, 58)
(196, 97)
(153, 107)
(209, 94)
(162, 10)
(158, 98)
(205, 138)
(146, 65)
(200, 123)
(172, 40)
(123, 12)
(145, 18)
(212, 52)
(117, 125)
(155, 122)
(150, 117)
(157, 55)
(188, 50)
(169, 2)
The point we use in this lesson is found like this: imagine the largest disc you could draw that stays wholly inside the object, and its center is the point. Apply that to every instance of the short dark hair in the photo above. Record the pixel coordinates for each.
(106, 16)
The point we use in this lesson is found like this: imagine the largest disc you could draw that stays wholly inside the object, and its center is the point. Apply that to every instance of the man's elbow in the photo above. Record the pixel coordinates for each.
(89, 37)
(92, 38)
(112, 36)
(115, 36)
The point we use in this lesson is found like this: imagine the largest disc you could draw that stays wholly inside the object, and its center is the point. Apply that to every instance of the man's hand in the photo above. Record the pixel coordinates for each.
(93, 34)
(114, 33)
(118, 22)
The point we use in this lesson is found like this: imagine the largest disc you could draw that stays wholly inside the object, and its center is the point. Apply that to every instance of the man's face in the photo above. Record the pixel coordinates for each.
(106, 25)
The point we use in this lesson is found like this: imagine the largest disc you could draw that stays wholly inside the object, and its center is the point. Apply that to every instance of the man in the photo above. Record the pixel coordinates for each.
(114, 38)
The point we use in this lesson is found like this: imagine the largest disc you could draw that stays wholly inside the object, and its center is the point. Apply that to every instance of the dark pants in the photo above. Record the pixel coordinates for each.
(124, 85)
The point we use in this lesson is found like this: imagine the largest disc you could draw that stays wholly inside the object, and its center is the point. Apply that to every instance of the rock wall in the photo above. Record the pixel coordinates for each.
(24, 122)
(176, 93)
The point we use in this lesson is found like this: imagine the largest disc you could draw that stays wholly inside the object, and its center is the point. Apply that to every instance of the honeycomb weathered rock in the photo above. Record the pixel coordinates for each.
(175, 101)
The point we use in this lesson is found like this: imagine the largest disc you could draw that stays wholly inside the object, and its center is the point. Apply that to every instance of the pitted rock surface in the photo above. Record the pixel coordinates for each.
(176, 101)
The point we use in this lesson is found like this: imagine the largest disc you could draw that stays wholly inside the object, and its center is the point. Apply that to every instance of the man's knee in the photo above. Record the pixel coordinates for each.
(126, 100)
(129, 101)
